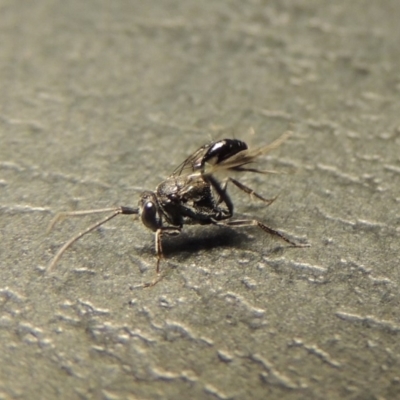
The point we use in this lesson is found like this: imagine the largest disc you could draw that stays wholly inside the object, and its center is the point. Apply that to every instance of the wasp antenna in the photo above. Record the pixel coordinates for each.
(59, 217)
(70, 242)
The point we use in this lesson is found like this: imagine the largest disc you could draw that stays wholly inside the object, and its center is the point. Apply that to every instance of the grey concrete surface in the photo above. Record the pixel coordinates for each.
(100, 100)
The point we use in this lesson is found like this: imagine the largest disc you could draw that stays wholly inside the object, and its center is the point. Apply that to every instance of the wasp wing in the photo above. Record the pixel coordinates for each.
(195, 164)
(238, 161)
(192, 163)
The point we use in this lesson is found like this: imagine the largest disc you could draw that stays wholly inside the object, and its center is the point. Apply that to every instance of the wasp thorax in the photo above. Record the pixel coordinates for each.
(148, 210)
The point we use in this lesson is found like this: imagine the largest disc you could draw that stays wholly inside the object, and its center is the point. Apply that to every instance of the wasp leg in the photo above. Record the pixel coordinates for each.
(222, 194)
(159, 233)
(115, 212)
(160, 255)
(247, 190)
(251, 192)
(265, 228)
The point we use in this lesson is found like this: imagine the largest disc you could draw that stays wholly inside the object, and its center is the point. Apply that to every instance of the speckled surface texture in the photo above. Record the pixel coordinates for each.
(100, 100)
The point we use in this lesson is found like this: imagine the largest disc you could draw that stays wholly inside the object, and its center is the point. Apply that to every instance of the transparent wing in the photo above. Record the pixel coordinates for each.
(195, 165)
(192, 163)
(239, 160)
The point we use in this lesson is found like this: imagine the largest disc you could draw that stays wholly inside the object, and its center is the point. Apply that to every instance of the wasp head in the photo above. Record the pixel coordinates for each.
(149, 210)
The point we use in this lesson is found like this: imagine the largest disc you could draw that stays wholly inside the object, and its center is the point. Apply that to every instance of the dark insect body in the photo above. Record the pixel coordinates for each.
(191, 195)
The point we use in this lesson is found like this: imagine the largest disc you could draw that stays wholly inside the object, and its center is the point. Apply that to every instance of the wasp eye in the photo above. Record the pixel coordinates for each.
(149, 206)
(149, 215)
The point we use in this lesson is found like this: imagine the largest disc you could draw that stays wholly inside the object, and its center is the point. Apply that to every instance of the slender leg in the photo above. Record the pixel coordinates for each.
(223, 188)
(159, 251)
(159, 233)
(251, 192)
(158, 243)
(222, 194)
(265, 228)
(70, 242)
(245, 189)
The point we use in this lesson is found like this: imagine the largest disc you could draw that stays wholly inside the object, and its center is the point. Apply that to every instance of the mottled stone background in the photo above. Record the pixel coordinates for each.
(102, 99)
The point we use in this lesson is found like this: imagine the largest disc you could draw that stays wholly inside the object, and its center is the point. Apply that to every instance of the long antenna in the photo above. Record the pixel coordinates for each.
(116, 211)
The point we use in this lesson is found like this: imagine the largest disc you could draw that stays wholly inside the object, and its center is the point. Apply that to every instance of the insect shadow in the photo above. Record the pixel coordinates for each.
(192, 195)
(215, 238)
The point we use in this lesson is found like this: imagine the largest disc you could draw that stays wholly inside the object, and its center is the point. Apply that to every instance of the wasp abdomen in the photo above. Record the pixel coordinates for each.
(221, 150)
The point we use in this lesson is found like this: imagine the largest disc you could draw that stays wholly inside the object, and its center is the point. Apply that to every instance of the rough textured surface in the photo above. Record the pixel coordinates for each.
(100, 100)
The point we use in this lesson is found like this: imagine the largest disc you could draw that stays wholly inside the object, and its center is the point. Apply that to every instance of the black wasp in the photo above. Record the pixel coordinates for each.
(191, 195)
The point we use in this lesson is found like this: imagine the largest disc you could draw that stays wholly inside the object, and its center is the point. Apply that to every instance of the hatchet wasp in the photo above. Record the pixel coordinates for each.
(191, 195)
